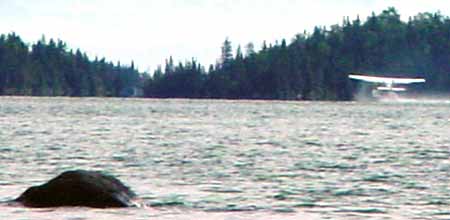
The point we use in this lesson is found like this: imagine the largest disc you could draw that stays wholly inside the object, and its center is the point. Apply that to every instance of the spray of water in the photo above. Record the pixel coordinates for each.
(365, 93)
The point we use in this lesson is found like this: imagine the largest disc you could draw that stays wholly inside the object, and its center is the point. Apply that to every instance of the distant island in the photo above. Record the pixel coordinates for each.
(311, 66)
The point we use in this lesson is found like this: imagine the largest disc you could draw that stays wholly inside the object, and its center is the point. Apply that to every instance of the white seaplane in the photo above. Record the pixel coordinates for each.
(385, 87)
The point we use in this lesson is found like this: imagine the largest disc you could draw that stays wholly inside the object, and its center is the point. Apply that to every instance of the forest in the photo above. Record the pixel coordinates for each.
(310, 66)
(48, 68)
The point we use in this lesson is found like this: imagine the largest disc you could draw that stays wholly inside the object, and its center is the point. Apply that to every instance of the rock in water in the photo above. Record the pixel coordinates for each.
(79, 188)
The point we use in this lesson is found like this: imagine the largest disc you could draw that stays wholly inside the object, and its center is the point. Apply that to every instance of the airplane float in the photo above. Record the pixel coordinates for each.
(386, 86)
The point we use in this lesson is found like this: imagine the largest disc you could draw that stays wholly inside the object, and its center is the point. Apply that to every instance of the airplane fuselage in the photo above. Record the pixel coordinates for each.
(385, 87)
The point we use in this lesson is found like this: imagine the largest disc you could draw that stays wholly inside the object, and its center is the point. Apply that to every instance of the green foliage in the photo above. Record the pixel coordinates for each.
(315, 66)
(312, 66)
(183, 81)
(49, 69)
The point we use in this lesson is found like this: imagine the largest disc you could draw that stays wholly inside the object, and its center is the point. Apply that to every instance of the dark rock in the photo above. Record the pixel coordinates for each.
(79, 188)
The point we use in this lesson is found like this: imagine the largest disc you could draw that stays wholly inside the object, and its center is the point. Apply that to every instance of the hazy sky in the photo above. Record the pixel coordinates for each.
(149, 31)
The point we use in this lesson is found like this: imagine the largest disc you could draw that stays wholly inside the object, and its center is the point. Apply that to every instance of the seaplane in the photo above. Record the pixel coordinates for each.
(386, 87)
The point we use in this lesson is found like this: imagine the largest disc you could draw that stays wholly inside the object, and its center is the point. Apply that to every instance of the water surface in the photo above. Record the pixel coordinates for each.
(206, 159)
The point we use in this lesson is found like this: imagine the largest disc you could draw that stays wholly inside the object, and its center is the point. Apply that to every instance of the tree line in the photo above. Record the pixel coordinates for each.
(48, 68)
(311, 66)
(315, 66)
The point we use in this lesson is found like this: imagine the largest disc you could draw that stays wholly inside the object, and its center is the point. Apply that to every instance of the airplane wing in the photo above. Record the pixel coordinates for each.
(386, 80)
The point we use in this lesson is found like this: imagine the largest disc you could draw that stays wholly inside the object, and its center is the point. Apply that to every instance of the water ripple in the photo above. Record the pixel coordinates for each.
(335, 160)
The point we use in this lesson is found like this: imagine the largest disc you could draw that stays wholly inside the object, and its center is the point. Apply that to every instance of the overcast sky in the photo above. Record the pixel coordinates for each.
(149, 31)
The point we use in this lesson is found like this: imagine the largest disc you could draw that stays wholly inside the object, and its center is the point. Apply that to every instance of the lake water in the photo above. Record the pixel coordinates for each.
(209, 159)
